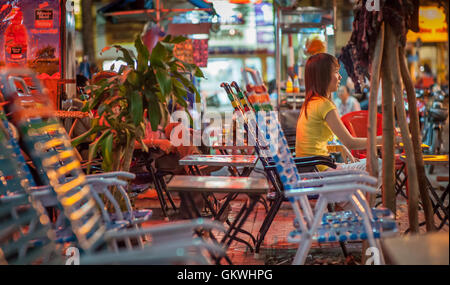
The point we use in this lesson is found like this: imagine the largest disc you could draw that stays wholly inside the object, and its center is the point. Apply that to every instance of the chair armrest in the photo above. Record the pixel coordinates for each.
(169, 229)
(328, 159)
(332, 173)
(163, 254)
(113, 174)
(306, 164)
(358, 178)
(330, 189)
(311, 161)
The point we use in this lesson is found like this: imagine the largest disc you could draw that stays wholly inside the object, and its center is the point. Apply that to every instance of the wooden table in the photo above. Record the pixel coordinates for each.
(424, 249)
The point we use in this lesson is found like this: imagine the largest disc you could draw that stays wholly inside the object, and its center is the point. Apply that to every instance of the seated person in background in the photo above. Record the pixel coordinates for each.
(319, 118)
(345, 103)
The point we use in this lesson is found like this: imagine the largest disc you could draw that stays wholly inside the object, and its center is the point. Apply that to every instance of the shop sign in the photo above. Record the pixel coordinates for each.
(43, 18)
(432, 24)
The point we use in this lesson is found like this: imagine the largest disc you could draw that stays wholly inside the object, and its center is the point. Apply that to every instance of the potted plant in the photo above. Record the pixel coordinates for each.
(145, 86)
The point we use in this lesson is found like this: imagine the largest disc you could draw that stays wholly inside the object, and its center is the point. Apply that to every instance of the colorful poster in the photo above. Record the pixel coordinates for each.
(30, 36)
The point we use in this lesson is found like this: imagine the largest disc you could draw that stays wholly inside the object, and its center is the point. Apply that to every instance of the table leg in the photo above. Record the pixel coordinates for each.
(221, 210)
(242, 217)
(195, 211)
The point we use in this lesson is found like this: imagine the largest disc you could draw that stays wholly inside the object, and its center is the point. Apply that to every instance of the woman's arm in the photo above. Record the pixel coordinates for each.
(338, 128)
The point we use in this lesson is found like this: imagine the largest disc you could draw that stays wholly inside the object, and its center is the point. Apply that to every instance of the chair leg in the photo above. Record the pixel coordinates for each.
(305, 244)
(164, 188)
(267, 222)
(358, 204)
(300, 255)
(162, 202)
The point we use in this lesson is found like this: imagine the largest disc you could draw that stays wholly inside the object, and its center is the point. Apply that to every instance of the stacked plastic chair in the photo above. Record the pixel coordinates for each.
(101, 183)
(25, 231)
(257, 93)
(54, 158)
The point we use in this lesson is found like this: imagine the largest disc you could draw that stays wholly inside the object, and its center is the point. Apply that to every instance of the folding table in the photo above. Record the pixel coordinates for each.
(438, 202)
(254, 188)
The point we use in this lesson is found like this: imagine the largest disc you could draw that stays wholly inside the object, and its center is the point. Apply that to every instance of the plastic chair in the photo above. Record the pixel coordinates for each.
(26, 236)
(310, 224)
(55, 160)
(272, 172)
(356, 124)
(101, 186)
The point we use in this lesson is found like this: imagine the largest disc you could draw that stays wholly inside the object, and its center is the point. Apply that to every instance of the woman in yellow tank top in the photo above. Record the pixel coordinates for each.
(319, 119)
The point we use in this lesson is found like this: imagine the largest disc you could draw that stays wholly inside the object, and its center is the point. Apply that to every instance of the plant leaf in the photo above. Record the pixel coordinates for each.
(163, 78)
(107, 152)
(199, 72)
(127, 55)
(81, 138)
(134, 78)
(93, 148)
(154, 114)
(143, 54)
(174, 40)
(158, 56)
(105, 49)
(136, 107)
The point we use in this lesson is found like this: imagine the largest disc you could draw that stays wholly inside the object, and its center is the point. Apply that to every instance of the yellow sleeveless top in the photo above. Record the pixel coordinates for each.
(313, 133)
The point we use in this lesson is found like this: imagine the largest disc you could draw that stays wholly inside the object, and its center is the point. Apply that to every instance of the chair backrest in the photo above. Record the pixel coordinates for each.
(257, 94)
(268, 130)
(48, 145)
(356, 124)
(22, 167)
(242, 108)
(25, 232)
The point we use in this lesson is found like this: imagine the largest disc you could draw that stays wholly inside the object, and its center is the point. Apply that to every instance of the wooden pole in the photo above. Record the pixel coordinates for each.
(417, 141)
(372, 157)
(388, 147)
(394, 66)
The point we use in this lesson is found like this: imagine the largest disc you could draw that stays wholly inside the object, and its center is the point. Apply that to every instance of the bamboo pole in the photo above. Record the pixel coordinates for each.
(388, 146)
(372, 158)
(394, 66)
(417, 141)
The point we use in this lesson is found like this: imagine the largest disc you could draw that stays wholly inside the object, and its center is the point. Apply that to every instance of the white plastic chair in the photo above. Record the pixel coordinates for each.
(315, 224)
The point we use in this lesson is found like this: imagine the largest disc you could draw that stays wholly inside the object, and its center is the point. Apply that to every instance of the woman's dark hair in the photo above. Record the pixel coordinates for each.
(318, 76)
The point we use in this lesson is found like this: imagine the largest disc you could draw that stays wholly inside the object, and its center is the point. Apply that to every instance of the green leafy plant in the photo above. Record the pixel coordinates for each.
(144, 86)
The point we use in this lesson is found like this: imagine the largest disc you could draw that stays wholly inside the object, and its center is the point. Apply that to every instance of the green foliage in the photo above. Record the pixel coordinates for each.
(145, 85)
